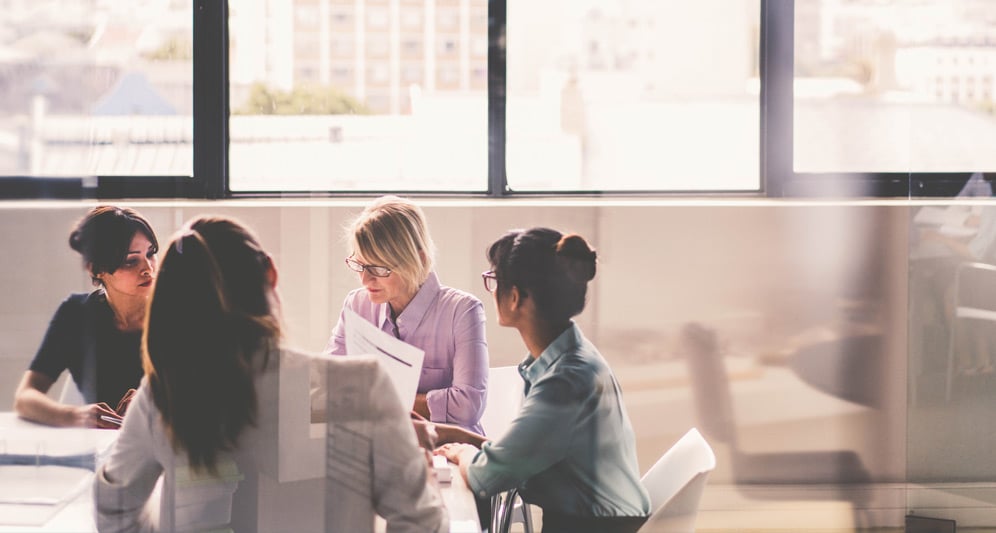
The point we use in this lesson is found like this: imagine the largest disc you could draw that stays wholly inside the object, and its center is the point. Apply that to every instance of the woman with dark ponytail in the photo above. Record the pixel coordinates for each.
(571, 449)
(209, 405)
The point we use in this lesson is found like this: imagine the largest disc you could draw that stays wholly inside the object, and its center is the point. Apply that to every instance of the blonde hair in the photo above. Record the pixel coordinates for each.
(392, 232)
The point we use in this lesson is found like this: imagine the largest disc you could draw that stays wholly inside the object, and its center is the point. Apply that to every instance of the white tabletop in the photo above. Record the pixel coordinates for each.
(26, 507)
(74, 513)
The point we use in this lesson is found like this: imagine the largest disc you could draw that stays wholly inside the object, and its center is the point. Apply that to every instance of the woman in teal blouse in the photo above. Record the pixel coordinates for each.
(571, 449)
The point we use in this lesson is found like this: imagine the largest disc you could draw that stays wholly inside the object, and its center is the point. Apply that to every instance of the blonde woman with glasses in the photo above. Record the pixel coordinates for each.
(392, 253)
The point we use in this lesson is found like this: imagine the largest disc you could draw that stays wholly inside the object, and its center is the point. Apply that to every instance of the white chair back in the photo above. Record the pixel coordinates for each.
(676, 482)
(505, 394)
(70, 394)
(505, 387)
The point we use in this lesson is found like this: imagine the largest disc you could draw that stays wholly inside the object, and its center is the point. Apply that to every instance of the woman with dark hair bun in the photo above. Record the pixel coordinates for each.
(571, 449)
(96, 336)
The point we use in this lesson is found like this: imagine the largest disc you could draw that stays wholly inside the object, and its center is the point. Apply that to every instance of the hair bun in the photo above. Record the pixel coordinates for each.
(581, 258)
(76, 240)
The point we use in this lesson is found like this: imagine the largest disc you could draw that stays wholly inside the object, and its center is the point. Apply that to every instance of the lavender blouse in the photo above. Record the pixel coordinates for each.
(448, 324)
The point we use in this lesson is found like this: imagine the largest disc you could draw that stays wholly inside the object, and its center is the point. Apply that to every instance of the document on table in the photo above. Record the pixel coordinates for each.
(402, 361)
(31, 495)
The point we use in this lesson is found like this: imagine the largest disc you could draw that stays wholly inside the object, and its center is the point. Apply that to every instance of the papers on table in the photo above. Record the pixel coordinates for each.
(402, 361)
(31, 495)
(43, 469)
(27, 443)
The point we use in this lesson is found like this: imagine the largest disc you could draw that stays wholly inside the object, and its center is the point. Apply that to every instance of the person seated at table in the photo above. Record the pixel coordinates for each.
(934, 286)
(392, 252)
(571, 449)
(210, 401)
(96, 336)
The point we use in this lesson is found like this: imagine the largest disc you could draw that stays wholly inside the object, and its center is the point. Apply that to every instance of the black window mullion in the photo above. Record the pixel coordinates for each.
(777, 72)
(497, 81)
(211, 97)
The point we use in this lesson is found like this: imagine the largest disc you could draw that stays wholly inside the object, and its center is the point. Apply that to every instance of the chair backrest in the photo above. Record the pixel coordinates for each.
(676, 482)
(199, 501)
(713, 400)
(70, 394)
(505, 393)
(975, 295)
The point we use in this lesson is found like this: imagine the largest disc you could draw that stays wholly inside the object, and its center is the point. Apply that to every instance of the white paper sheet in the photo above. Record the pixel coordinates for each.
(31, 495)
(402, 361)
(942, 216)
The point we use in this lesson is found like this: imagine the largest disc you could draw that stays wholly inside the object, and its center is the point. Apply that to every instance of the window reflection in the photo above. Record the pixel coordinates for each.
(894, 86)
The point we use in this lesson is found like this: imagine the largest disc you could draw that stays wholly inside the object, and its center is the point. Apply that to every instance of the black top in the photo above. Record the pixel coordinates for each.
(103, 361)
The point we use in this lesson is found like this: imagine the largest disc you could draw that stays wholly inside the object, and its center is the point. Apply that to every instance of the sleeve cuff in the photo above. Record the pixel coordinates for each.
(476, 485)
(438, 406)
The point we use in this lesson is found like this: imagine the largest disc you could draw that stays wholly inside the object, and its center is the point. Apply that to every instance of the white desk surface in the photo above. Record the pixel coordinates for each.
(460, 503)
(76, 515)
(18, 436)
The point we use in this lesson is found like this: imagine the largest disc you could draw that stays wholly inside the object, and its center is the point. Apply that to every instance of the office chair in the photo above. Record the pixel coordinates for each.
(505, 393)
(974, 302)
(676, 482)
(70, 394)
(198, 501)
(714, 409)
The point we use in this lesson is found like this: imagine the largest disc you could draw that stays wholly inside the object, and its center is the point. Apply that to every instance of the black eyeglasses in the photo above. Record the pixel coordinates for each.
(490, 280)
(374, 270)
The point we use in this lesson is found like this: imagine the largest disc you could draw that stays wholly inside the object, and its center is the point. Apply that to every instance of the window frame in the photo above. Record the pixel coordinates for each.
(778, 176)
(210, 179)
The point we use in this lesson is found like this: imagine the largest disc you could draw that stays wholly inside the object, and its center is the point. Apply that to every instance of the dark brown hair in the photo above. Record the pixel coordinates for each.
(212, 322)
(552, 268)
(104, 235)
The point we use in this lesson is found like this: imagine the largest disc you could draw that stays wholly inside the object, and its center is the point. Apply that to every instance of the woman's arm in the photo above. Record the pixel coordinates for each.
(31, 402)
(462, 402)
(124, 482)
(539, 437)
(958, 245)
(450, 433)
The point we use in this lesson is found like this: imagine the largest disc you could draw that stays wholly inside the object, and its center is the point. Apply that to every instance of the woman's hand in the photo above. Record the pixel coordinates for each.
(124, 403)
(89, 416)
(425, 433)
(457, 453)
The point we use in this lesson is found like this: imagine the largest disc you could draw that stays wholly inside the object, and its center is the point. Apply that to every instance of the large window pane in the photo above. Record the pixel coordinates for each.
(894, 86)
(96, 87)
(358, 95)
(633, 94)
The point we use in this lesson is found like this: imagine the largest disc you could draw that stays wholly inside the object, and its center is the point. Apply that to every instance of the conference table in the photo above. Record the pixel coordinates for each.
(44, 489)
(850, 368)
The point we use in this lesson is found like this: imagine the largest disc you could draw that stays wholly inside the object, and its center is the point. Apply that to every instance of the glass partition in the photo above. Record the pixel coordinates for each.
(894, 86)
(788, 352)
